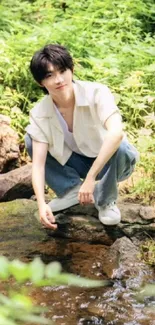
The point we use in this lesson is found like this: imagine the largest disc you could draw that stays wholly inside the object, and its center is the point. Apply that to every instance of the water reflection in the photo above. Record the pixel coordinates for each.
(112, 305)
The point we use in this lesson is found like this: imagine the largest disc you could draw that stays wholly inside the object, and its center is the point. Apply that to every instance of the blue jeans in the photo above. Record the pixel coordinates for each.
(62, 178)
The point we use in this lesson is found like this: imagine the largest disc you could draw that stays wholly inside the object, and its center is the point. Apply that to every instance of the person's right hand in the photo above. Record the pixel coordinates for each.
(46, 216)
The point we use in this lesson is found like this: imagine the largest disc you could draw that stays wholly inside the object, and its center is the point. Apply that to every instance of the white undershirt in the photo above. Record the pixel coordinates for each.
(68, 136)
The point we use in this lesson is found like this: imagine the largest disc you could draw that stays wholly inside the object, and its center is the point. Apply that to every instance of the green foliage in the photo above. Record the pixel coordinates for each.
(111, 42)
(146, 291)
(148, 252)
(41, 274)
(108, 44)
(19, 307)
(145, 187)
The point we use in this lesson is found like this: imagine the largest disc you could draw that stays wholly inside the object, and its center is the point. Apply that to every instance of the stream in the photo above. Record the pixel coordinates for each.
(85, 248)
(115, 304)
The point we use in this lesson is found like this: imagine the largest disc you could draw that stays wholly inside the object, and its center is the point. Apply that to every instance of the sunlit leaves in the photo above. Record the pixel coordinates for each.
(4, 271)
(40, 274)
(19, 307)
(111, 44)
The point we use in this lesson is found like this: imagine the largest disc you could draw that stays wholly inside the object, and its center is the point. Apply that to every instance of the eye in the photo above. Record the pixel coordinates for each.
(62, 70)
(49, 74)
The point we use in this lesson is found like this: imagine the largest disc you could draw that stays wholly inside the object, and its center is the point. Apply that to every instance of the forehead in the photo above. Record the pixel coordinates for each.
(51, 67)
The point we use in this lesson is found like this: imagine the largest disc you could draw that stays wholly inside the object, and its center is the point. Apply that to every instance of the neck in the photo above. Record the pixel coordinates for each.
(66, 100)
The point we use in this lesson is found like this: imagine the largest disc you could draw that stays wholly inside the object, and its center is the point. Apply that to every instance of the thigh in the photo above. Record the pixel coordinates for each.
(80, 163)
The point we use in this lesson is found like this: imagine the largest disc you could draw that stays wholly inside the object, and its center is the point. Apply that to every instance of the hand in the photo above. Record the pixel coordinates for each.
(46, 216)
(86, 191)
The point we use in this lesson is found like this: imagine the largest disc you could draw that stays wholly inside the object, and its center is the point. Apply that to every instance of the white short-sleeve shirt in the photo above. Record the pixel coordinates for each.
(94, 104)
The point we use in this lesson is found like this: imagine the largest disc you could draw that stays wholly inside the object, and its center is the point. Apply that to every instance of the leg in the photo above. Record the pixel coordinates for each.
(63, 178)
(121, 166)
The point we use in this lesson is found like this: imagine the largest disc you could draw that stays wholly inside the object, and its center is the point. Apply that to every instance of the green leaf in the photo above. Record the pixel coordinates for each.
(6, 321)
(73, 280)
(19, 270)
(21, 301)
(4, 267)
(52, 269)
(36, 319)
(37, 269)
(4, 300)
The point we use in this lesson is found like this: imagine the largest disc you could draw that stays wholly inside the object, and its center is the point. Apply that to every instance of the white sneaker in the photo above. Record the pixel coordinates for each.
(109, 214)
(68, 200)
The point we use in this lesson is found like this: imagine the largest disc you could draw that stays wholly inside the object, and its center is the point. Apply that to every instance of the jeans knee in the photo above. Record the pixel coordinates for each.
(127, 156)
(28, 144)
(128, 153)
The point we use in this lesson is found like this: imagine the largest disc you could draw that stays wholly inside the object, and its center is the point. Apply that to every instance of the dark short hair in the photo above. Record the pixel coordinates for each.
(55, 54)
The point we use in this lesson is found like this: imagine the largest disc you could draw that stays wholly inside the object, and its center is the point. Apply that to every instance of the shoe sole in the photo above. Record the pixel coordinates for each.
(109, 222)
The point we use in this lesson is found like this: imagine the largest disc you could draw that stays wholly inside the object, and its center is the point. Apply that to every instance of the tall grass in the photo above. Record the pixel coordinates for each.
(111, 41)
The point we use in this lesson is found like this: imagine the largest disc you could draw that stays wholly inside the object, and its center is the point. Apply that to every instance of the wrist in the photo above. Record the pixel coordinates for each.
(41, 204)
(91, 176)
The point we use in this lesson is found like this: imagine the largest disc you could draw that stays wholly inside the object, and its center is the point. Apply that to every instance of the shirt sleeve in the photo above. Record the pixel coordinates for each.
(105, 103)
(35, 132)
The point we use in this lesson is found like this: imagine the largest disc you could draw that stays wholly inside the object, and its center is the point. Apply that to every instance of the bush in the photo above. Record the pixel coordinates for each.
(111, 42)
(19, 307)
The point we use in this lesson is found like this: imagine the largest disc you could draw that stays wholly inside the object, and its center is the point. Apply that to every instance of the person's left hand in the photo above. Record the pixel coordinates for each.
(86, 191)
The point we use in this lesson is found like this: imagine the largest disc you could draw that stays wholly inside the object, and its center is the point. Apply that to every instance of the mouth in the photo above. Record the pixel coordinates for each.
(59, 87)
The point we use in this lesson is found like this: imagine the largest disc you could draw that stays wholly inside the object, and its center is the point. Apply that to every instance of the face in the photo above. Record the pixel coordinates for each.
(56, 81)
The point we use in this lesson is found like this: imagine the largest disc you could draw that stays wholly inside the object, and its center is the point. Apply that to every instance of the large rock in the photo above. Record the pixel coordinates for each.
(123, 262)
(16, 184)
(79, 244)
(137, 221)
(20, 228)
(9, 147)
(22, 236)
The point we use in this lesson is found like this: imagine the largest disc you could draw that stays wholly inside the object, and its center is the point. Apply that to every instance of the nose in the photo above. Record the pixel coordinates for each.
(59, 78)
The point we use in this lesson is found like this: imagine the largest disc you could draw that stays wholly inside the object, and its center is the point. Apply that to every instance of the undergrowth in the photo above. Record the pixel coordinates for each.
(111, 42)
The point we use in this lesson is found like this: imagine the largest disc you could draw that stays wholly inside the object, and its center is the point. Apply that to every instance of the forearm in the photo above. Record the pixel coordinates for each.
(38, 181)
(110, 145)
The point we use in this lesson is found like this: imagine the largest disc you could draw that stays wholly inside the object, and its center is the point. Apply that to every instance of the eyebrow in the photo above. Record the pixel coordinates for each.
(49, 71)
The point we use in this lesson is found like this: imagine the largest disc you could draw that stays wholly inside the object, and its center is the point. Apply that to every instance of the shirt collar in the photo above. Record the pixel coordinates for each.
(80, 95)
(46, 106)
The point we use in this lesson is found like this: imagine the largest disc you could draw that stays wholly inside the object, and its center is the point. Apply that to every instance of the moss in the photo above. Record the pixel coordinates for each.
(17, 207)
(148, 252)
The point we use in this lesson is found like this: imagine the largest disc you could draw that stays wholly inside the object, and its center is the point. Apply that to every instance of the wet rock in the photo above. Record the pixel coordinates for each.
(137, 221)
(133, 223)
(16, 184)
(83, 228)
(119, 306)
(79, 244)
(9, 147)
(123, 262)
(18, 219)
(21, 232)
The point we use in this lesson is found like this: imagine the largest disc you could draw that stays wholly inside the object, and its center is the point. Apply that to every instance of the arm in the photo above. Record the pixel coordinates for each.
(110, 144)
(38, 181)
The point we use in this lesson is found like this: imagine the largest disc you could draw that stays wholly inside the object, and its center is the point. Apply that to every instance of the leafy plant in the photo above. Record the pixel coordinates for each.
(148, 252)
(112, 43)
(19, 307)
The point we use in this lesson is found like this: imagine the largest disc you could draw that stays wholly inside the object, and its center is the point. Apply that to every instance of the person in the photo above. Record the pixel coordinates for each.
(76, 140)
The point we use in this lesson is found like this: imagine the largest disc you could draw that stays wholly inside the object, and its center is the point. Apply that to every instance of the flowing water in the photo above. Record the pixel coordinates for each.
(115, 304)
(112, 305)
